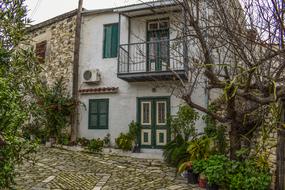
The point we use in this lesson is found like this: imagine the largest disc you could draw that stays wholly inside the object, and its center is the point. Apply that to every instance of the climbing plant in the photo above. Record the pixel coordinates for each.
(56, 107)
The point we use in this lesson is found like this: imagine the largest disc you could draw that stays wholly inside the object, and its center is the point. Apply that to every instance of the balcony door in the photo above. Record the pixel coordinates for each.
(152, 116)
(157, 45)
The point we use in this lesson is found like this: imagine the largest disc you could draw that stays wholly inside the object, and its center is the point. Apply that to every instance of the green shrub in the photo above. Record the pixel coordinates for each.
(95, 145)
(199, 166)
(216, 169)
(64, 139)
(175, 152)
(83, 141)
(124, 141)
(184, 123)
(57, 107)
(18, 81)
(107, 140)
(248, 175)
(234, 175)
(134, 130)
(37, 131)
(215, 131)
(200, 148)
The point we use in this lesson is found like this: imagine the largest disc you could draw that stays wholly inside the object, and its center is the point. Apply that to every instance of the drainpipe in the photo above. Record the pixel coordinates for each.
(75, 95)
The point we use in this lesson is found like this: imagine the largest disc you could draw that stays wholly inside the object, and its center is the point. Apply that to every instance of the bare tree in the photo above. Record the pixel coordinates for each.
(233, 47)
(238, 47)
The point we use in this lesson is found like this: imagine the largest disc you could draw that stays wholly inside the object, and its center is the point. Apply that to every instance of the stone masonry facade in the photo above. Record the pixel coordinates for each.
(59, 35)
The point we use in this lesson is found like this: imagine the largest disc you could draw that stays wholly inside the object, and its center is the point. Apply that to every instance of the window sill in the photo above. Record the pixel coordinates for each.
(98, 129)
(110, 57)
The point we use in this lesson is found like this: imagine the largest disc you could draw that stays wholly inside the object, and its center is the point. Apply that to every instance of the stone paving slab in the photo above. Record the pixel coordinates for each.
(59, 169)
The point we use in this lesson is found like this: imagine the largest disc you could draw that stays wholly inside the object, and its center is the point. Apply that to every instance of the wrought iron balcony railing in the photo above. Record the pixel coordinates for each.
(151, 60)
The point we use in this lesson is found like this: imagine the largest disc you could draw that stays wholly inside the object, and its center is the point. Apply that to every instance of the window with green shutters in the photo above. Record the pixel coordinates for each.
(98, 114)
(111, 40)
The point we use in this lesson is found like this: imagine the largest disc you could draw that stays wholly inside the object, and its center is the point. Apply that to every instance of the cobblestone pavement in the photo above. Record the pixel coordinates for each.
(60, 169)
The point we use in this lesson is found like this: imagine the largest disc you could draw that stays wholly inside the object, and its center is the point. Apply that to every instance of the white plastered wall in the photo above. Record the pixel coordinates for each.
(122, 105)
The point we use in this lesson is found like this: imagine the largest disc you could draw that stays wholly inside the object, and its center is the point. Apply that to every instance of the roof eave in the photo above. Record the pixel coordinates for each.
(52, 20)
(146, 5)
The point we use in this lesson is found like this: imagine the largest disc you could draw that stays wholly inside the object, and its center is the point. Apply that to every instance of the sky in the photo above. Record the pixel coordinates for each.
(41, 10)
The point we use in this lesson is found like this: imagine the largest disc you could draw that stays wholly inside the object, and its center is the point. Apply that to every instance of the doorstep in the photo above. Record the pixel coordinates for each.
(144, 154)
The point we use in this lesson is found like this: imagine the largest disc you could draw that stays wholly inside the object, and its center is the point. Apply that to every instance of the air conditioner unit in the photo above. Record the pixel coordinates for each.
(92, 76)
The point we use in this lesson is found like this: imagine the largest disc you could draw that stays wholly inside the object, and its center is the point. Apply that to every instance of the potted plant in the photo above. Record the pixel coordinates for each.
(198, 167)
(192, 177)
(198, 149)
(202, 181)
(216, 171)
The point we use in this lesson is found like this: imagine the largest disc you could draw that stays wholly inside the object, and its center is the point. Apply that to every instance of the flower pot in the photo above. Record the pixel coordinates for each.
(211, 187)
(202, 183)
(192, 177)
(136, 149)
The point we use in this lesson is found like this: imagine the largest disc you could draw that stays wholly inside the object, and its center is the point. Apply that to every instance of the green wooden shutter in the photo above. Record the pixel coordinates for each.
(93, 114)
(111, 40)
(107, 41)
(98, 114)
(115, 38)
(103, 114)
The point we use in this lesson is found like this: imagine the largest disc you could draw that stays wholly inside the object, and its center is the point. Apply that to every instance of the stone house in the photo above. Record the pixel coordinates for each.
(127, 85)
(53, 41)
(111, 80)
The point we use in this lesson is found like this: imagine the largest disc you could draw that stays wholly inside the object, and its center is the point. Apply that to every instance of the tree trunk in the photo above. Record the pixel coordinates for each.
(234, 135)
(235, 143)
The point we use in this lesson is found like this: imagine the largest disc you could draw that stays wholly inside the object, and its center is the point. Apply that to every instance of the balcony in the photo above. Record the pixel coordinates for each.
(152, 61)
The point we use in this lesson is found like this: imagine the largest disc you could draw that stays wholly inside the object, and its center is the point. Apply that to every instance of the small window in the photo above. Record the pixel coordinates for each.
(41, 51)
(158, 25)
(98, 114)
(111, 40)
(161, 113)
(153, 26)
(146, 113)
(161, 137)
(164, 25)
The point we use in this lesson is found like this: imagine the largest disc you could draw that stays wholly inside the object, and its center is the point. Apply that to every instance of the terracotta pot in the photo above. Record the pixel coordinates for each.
(202, 183)
(212, 187)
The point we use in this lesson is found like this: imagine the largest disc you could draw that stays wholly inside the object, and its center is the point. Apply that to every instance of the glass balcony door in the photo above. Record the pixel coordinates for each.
(157, 50)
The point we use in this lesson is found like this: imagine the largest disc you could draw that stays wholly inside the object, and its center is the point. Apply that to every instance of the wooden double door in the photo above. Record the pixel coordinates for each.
(152, 114)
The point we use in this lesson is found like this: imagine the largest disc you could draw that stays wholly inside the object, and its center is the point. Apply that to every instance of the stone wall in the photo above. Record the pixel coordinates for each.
(265, 141)
(59, 33)
(267, 146)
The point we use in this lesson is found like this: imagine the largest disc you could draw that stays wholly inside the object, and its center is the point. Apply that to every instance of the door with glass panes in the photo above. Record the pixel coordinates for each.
(158, 45)
(152, 116)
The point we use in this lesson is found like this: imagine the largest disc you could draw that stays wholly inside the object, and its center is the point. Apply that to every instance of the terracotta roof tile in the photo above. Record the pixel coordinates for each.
(100, 90)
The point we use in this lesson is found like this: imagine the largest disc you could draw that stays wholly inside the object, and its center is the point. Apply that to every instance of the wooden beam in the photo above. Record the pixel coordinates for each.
(75, 93)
